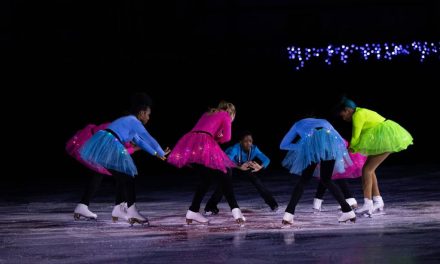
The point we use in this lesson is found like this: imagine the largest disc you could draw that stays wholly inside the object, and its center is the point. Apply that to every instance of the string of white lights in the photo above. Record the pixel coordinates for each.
(345, 53)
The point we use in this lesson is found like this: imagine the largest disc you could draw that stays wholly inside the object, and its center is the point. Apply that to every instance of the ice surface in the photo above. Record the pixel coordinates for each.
(42, 230)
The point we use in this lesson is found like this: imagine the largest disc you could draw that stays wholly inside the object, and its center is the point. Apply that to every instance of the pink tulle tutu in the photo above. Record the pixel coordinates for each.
(351, 172)
(199, 148)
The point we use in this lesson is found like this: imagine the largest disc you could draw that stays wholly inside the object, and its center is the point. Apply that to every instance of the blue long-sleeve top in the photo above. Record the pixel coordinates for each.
(302, 128)
(129, 128)
(238, 155)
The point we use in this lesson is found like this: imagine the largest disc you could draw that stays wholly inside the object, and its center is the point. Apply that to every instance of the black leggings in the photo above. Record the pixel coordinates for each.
(91, 188)
(207, 175)
(343, 185)
(326, 174)
(125, 188)
(253, 178)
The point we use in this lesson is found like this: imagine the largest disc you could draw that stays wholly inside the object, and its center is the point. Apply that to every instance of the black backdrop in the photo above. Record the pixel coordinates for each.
(190, 54)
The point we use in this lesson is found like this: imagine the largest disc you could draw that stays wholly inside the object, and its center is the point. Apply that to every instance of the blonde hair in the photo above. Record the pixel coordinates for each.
(225, 106)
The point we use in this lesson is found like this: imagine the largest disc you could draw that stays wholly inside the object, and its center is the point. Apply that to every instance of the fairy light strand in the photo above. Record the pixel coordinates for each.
(346, 53)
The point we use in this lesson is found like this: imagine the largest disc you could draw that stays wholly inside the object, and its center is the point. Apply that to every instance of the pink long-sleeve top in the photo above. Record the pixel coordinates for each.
(218, 124)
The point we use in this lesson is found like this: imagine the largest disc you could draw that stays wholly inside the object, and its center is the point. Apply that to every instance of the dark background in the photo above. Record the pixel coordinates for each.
(77, 62)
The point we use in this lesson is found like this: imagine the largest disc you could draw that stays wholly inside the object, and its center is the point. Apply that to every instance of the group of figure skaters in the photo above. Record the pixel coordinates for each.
(314, 148)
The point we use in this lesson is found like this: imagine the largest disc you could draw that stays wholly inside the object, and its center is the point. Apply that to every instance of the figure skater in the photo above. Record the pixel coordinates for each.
(249, 162)
(375, 137)
(200, 149)
(311, 142)
(105, 149)
(73, 146)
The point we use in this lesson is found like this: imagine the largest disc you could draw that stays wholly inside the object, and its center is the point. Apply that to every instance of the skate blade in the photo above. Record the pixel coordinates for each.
(78, 217)
(191, 221)
(362, 212)
(133, 221)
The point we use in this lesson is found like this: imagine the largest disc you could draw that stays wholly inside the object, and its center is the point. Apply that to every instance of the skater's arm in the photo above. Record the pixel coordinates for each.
(226, 129)
(358, 124)
(154, 144)
(286, 143)
(146, 142)
(232, 152)
(144, 146)
(260, 155)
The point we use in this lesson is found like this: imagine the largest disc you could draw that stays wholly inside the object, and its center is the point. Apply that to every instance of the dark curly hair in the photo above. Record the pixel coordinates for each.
(140, 102)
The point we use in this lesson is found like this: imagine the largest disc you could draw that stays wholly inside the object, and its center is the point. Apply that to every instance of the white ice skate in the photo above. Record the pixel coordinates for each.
(378, 203)
(317, 205)
(352, 202)
(119, 212)
(82, 210)
(193, 216)
(135, 217)
(238, 216)
(367, 208)
(287, 219)
(348, 216)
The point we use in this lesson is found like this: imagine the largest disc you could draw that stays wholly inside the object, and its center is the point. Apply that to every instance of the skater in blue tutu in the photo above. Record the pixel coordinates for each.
(310, 142)
(106, 149)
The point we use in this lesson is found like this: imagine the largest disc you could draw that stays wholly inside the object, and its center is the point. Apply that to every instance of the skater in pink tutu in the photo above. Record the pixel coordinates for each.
(351, 172)
(200, 150)
(73, 146)
(106, 149)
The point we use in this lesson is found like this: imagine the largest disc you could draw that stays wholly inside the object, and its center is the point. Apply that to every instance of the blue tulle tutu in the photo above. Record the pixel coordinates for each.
(323, 144)
(105, 150)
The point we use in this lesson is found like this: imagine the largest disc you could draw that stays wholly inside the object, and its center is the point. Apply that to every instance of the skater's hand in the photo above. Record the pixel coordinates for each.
(160, 157)
(167, 151)
(255, 166)
(244, 166)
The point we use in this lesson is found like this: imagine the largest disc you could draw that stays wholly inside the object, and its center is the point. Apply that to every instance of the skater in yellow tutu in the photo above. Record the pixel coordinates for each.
(375, 137)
